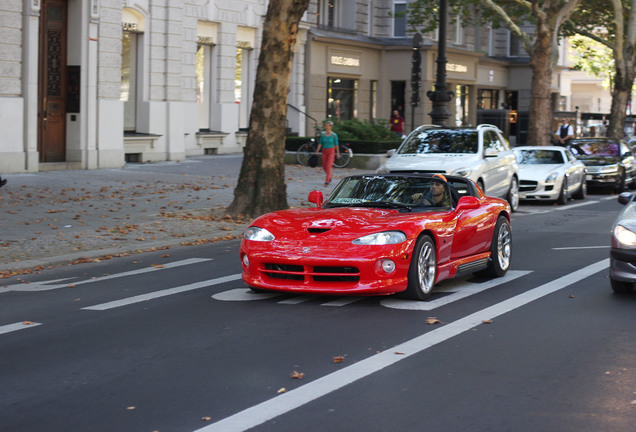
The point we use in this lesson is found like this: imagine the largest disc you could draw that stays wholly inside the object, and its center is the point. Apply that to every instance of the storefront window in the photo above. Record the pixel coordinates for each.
(341, 98)
(487, 98)
(461, 105)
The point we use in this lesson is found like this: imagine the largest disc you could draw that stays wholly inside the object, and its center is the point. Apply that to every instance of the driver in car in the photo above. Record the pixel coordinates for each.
(437, 196)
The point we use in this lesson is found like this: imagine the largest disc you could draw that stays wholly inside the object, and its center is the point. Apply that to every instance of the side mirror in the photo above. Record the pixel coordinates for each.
(625, 197)
(316, 198)
(467, 203)
(390, 152)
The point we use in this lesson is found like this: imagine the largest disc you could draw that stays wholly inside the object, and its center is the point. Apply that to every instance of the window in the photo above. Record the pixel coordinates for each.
(514, 46)
(133, 26)
(203, 84)
(241, 82)
(373, 101)
(341, 98)
(492, 141)
(327, 13)
(461, 105)
(399, 19)
(487, 99)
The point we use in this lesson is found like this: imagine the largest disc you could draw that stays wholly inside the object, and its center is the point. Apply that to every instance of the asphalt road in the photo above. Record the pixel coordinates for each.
(173, 341)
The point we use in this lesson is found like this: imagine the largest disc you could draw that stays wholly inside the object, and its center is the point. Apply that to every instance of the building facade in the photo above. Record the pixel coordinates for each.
(89, 84)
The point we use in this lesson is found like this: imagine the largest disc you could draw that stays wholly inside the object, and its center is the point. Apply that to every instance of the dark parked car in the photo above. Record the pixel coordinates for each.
(608, 161)
(623, 252)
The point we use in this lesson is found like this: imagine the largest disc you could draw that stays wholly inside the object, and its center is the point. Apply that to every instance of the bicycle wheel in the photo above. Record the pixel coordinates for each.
(304, 152)
(345, 157)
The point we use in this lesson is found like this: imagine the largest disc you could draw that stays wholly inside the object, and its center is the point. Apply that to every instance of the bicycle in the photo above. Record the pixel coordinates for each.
(307, 149)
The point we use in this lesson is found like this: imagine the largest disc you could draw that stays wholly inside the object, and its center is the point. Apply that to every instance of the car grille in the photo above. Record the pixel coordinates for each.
(527, 185)
(309, 273)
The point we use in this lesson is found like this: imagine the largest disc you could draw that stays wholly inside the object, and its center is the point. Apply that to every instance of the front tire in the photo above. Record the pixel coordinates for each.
(423, 270)
(581, 193)
(620, 287)
(500, 249)
(563, 195)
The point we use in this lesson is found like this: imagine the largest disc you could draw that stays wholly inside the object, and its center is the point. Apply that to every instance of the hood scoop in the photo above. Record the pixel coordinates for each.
(318, 230)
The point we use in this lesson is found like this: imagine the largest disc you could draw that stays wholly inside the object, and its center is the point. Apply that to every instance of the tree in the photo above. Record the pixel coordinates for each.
(261, 184)
(595, 21)
(546, 18)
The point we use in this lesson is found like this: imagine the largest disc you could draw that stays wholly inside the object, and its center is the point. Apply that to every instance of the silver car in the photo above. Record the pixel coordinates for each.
(623, 251)
(550, 174)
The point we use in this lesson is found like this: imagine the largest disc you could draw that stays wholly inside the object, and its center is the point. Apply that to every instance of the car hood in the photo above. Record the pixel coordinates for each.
(627, 217)
(537, 171)
(431, 162)
(599, 160)
(341, 223)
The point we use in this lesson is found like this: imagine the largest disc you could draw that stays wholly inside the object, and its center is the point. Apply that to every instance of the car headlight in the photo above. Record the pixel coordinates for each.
(609, 168)
(463, 172)
(624, 237)
(381, 238)
(258, 234)
(551, 178)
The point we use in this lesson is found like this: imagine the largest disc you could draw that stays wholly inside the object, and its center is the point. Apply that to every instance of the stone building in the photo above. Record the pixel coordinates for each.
(89, 84)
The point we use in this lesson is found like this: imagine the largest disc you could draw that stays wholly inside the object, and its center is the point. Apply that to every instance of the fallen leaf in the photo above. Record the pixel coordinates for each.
(297, 375)
(486, 321)
(432, 320)
(206, 418)
(281, 390)
(338, 359)
(27, 322)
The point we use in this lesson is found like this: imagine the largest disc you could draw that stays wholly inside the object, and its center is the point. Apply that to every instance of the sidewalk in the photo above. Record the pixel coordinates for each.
(62, 217)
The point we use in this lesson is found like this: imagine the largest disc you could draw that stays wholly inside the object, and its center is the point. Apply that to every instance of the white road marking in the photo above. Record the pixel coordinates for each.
(46, 285)
(525, 210)
(581, 247)
(286, 402)
(457, 287)
(162, 293)
(17, 326)
(343, 301)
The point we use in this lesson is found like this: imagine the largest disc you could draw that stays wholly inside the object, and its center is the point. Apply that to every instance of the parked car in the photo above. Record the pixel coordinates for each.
(608, 161)
(380, 234)
(550, 174)
(481, 154)
(623, 251)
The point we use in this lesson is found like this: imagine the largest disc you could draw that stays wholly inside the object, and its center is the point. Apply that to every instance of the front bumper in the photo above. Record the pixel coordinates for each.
(602, 179)
(538, 191)
(623, 265)
(326, 270)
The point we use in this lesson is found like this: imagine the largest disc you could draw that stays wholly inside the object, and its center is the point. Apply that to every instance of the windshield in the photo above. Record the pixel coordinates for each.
(441, 141)
(595, 148)
(539, 157)
(390, 192)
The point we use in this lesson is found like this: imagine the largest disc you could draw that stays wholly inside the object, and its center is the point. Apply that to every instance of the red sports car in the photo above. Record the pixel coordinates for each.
(380, 234)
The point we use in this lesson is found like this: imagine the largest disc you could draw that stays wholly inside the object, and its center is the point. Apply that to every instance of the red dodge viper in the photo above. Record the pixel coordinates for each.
(380, 234)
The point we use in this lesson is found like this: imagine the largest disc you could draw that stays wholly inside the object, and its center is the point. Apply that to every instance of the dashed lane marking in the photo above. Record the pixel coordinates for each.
(18, 326)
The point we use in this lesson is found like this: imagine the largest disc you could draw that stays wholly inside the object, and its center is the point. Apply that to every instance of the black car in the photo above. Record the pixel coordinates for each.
(608, 162)
(623, 252)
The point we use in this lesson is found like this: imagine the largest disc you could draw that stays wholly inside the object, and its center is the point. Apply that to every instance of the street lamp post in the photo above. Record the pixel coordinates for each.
(441, 96)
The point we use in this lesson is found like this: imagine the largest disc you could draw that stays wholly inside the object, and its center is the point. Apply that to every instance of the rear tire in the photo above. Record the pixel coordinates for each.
(345, 157)
(581, 193)
(423, 270)
(513, 194)
(563, 195)
(304, 153)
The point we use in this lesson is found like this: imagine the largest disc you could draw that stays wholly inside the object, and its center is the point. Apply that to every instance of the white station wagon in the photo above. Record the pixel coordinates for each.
(481, 154)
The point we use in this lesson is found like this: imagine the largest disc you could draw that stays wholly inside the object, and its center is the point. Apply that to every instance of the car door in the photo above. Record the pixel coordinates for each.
(628, 163)
(497, 164)
(574, 170)
(473, 232)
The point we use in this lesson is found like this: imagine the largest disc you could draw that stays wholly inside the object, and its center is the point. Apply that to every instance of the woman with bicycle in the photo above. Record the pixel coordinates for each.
(330, 147)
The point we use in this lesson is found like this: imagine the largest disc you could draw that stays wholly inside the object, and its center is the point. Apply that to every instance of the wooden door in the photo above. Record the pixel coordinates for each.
(52, 82)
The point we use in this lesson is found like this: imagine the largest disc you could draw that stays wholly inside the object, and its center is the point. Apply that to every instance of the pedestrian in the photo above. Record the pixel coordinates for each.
(397, 124)
(564, 133)
(330, 148)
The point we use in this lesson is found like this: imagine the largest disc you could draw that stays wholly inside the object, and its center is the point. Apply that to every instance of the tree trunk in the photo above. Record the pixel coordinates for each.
(621, 91)
(540, 113)
(261, 185)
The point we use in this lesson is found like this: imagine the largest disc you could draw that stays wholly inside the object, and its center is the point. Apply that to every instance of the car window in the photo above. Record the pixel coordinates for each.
(409, 191)
(492, 141)
(595, 148)
(539, 157)
(441, 141)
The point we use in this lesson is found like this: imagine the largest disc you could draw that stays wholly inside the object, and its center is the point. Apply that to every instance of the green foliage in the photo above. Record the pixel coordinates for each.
(594, 58)
(362, 130)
